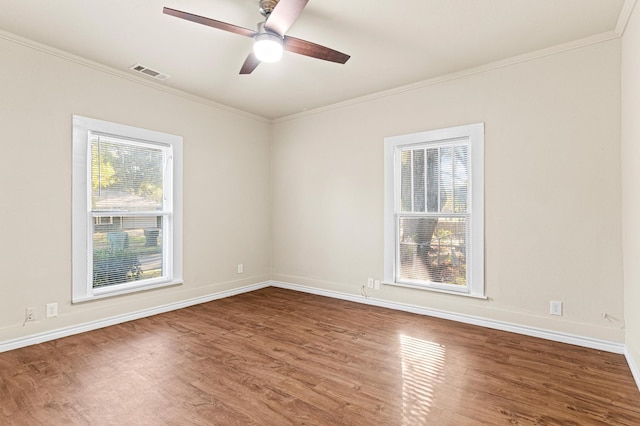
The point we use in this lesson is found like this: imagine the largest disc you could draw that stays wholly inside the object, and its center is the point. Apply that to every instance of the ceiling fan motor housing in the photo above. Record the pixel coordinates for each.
(267, 6)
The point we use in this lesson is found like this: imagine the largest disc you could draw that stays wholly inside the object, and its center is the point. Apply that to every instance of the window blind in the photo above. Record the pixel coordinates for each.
(129, 210)
(433, 214)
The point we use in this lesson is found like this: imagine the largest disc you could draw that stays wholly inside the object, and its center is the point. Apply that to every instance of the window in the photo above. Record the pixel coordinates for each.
(127, 209)
(434, 218)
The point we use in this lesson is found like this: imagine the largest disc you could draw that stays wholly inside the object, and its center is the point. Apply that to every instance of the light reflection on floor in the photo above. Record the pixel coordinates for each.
(422, 365)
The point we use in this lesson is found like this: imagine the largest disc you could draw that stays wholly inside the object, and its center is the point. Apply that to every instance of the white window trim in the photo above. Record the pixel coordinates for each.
(392, 145)
(82, 288)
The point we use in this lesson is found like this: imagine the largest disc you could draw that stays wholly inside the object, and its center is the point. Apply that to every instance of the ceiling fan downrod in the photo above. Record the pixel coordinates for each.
(267, 6)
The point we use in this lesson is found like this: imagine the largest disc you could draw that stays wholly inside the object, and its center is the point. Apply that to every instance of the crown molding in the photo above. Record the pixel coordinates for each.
(49, 50)
(623, 19)
(554, 50)
(625, 16)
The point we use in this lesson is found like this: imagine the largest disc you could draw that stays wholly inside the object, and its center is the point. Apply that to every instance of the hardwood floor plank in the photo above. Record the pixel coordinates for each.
(277, 357)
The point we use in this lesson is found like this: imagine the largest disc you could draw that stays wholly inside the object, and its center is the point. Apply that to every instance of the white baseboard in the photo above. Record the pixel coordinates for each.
(588, 342)
(602, 345)
(633, 367)
(94, 325)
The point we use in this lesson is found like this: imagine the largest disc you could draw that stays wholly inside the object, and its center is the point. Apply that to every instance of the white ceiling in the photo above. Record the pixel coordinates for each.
(391, 43)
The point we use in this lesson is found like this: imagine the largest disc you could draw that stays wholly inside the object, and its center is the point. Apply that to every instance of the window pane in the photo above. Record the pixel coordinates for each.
(461, 179)
(418, 180)
(446, 179)
(405, 182)
(125, 176)
(433, 171)
(433, 250)
(127, 250)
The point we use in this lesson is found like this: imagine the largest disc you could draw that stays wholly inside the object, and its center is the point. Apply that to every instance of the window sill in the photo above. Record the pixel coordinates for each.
(436, 290)
(106, 294)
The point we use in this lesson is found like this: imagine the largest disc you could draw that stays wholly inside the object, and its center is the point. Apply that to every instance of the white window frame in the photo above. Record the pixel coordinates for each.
(474, 134)
(82, 217)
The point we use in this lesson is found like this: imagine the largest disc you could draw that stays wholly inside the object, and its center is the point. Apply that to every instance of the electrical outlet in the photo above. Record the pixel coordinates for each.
(376, 284)
(30, 314)
(240, 268)
(370, 282)
(52, 310)
(555, 308)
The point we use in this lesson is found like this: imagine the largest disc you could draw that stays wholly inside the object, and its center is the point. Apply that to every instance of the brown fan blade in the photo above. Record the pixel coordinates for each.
(306, 48)
(250, 64)
(284, 15)
(209, 22)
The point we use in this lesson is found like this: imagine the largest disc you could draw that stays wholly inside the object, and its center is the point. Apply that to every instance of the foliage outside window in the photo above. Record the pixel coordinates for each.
(433, 210)
(127, 208)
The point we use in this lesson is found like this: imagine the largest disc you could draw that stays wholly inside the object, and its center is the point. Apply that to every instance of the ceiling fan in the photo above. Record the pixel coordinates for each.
(270, 39)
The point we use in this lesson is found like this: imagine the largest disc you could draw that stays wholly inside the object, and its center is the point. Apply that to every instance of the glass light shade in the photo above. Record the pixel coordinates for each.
(268, 47)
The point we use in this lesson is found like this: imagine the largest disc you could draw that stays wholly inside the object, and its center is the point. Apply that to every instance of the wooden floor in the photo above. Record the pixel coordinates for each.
(277, 357)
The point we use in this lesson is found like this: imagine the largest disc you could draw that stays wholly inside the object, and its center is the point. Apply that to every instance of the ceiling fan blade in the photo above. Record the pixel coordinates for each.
(210, 22)
(250, 64)
(306, 48)
(284, 15)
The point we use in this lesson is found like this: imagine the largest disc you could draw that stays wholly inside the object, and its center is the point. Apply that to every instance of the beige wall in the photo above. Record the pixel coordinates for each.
(226, 186)
(312, 209)
(552, 190)
(631, 183)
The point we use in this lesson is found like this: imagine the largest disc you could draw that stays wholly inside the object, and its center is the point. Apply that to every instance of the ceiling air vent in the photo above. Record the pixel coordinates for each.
(149, 72)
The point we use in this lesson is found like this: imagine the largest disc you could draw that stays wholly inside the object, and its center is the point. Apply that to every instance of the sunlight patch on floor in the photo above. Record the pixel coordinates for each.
(422, 364)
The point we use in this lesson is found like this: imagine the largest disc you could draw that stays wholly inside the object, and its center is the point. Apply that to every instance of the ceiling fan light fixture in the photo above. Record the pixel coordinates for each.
(268, 47)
